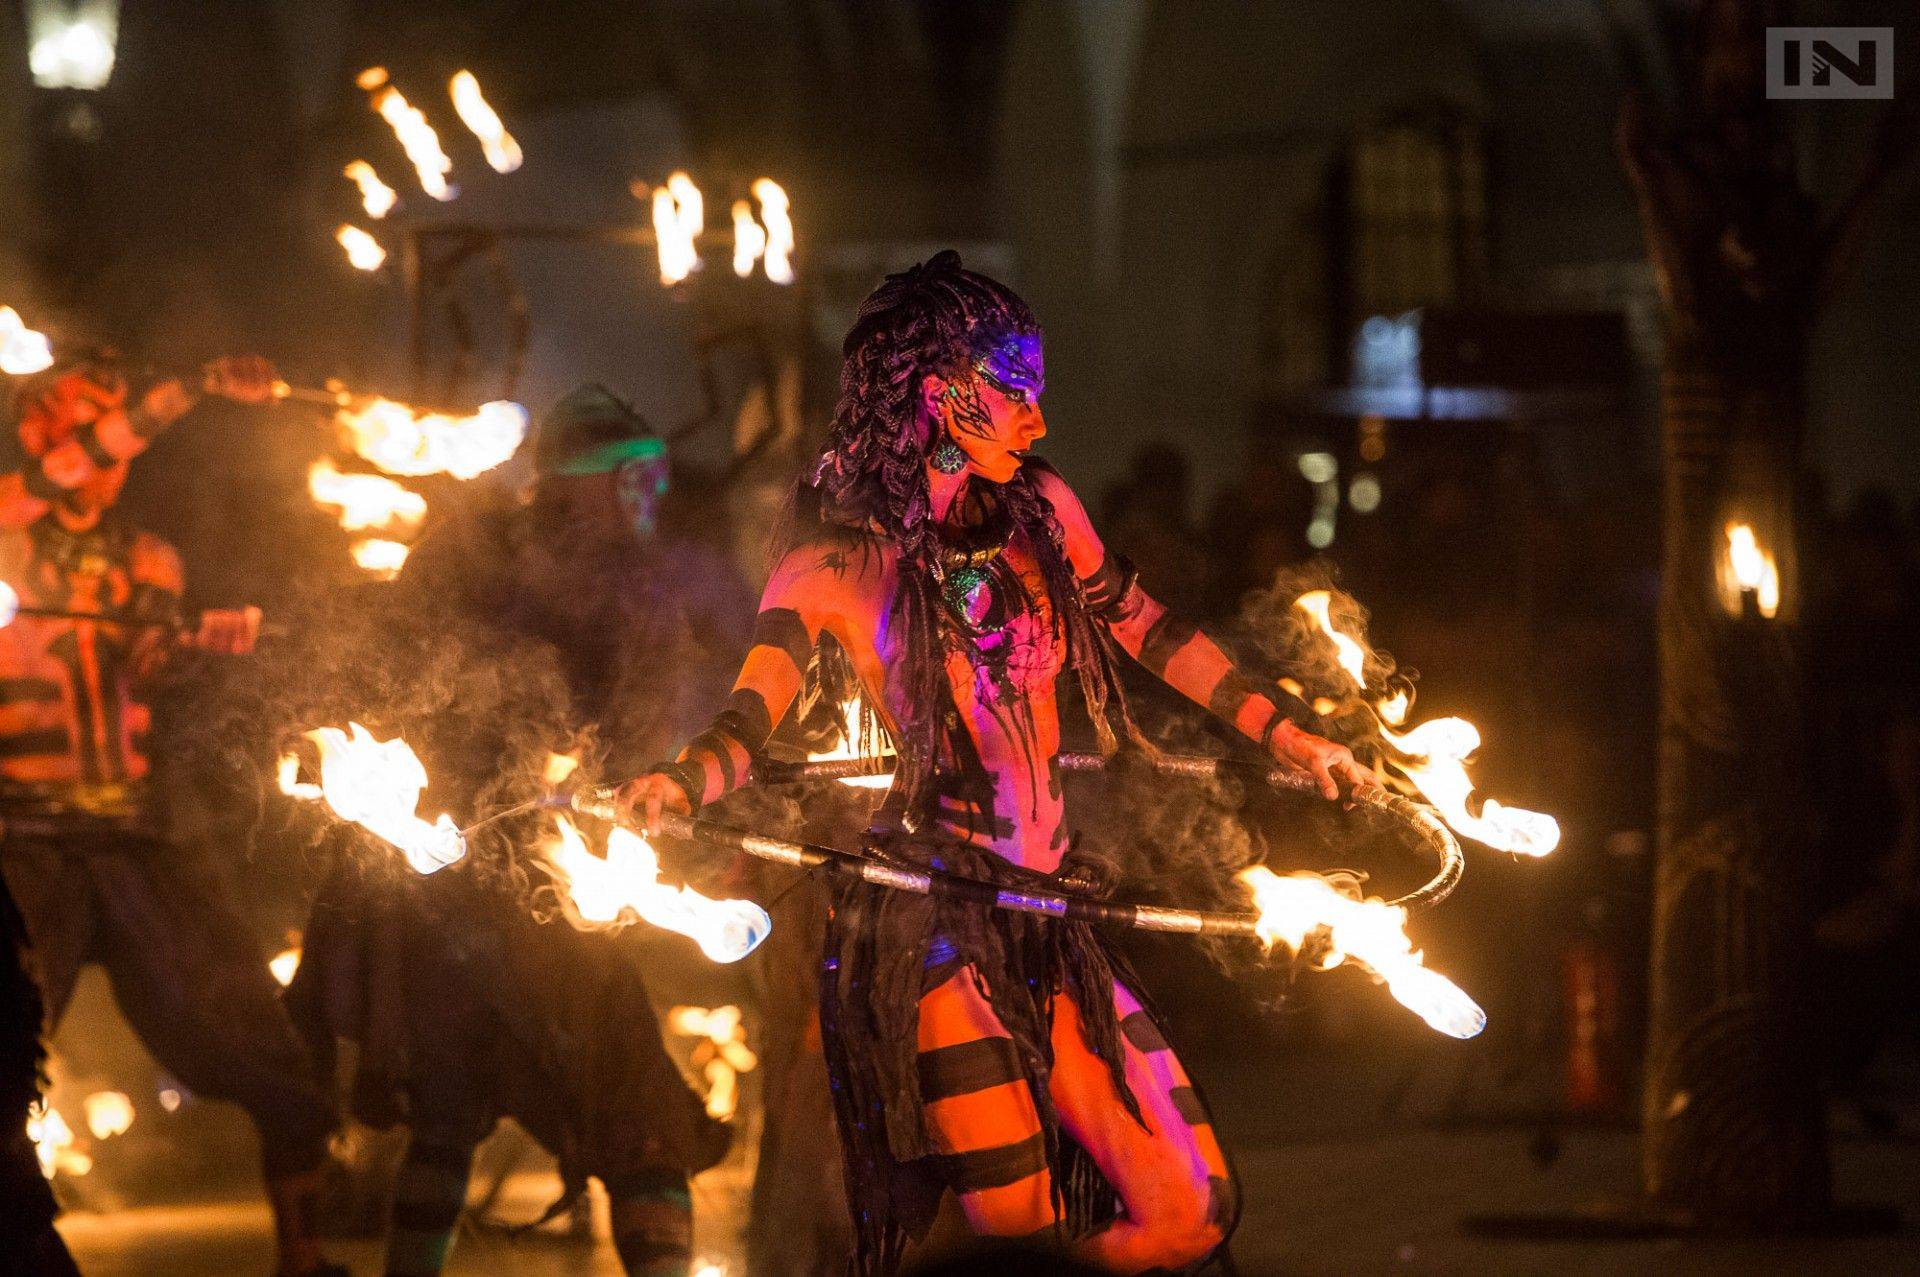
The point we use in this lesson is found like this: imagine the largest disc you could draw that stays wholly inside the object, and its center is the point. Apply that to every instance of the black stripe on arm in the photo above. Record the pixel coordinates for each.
(88, 437)
(15, 690)
(1231, 694)
(747, 716)
(948, 1071)
(36, 744)
(1165, 638)
(1143, 1032)
(995, 1167)
(782, 628)
(1186, 1102)
(713, 743)
(39, 483)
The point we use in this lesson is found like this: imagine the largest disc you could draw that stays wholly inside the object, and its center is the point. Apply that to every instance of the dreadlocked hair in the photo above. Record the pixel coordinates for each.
(937, 318)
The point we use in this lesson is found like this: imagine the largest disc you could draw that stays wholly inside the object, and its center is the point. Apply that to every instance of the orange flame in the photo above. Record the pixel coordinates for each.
(850, 715)
(602, 893)
(376, 784)
(776, 213)
(365, 500)
(285, 965)
(371, 78)
(379, 556)
(749, 239)
(22, 350)
(363, 250)
(418, 140)
(1433, 756)
(400, 441)
(503, 153)
(53, 1142)
(1748, 568)
(679, 215)
(1302, 908)
(109, 1113)
(722, 1055)
(375, 195)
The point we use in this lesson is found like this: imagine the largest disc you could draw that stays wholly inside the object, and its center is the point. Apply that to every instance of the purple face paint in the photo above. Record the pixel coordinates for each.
(641, 485)
(1016, 368)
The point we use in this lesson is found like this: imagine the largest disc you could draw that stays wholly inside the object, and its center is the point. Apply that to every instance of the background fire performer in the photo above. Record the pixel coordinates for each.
(466, 1008)
(1007, 1058)
(84, 847)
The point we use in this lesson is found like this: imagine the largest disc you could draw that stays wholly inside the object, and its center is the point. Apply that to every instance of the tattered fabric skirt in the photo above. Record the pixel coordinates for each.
(884, 950)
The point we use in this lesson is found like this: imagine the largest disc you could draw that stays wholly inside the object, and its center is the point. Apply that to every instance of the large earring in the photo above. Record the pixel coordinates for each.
(947, 457)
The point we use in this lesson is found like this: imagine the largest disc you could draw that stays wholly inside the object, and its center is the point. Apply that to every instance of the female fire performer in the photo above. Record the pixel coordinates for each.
(1006, 1057)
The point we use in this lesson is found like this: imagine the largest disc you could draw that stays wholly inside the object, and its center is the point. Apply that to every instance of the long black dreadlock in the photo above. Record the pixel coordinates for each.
(937, 318)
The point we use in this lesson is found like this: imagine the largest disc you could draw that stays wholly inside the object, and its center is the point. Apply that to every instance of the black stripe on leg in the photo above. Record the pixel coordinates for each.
(1187, 1104)
(782, 627)
(1164, 639)
(1143, 1032)
(995, 1167)
(948, 1071)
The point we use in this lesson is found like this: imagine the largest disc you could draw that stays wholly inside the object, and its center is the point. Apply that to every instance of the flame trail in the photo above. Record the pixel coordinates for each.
(1300, 909)
(503, 153)
(601, 893)
(679, 215)
(376, 784)
(365, 500)
(776, 213)
(417, 138)
(22, 350)
(1433, 756)
(375, 195)
(400, 441)
(363, 250)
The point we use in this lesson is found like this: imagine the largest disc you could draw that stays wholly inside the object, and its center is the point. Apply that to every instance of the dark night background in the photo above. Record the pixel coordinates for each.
(1206, 203)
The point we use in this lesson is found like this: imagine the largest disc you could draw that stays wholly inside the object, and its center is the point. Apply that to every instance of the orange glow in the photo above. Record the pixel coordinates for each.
(1748, 569)
(749, 239)
(379, 556)
(109, 1113)
(285, 965)
(722, 1054)
(371, 78)
(503, 153)
(53, 1142)
(679, 215)
(1302, 909)
(776, 214)
(365, 500)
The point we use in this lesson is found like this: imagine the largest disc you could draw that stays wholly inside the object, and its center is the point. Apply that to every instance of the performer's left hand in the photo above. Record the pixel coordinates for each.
(1332, 764)
(228, 631)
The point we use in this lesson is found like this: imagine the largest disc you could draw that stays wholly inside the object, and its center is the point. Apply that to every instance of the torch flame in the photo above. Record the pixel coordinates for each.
(850, 716)
(290, 783)
(749, 239)
(1749, 568)
(376, 784)
(375, 195)
(379, 556)
(776, 212)
(53, 1142)
(602, 892)
(679, 215)
(1373, 933)
(285, 965)
(22, 350)
(371, 78)
(400, 441)
(363, 250)
(503, 153)
(417, 138)
(365, 500)
(109, 1113)
(1433, 756)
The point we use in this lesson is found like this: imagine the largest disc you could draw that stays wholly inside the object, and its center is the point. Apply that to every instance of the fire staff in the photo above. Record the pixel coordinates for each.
(1007, 1058)
(83, 848)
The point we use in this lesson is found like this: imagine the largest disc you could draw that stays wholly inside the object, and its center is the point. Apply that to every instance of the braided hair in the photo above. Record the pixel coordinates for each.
(937, 318)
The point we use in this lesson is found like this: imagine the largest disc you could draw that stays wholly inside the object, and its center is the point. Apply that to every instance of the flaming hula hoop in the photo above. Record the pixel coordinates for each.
(1420, 821)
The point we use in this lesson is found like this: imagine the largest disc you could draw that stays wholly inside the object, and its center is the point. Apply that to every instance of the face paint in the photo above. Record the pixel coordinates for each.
(993, 413)
(641, 486)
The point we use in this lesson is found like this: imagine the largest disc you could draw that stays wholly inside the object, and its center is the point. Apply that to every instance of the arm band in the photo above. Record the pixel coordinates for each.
(1113, 591)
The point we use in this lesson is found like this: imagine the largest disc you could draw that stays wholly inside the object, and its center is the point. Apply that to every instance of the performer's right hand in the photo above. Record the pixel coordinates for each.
(647, 797)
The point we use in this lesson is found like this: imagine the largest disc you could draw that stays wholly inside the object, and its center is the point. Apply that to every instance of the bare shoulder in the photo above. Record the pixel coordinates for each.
(836, 570)
(1083, 543)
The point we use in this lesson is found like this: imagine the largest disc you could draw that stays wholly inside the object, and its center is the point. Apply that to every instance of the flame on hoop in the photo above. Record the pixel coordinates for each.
(363, 250)
(376, 784)
(400, 441)
(749, 239)
(22, 350)
(1747, 568)
(776, 213)
(1300, 909)
(417, 138)
(503, 153)
(611, 892)
(375, 195)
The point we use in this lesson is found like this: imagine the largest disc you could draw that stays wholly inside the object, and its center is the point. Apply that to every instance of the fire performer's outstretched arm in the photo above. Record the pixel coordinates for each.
(112, 433)
(1177, 651)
